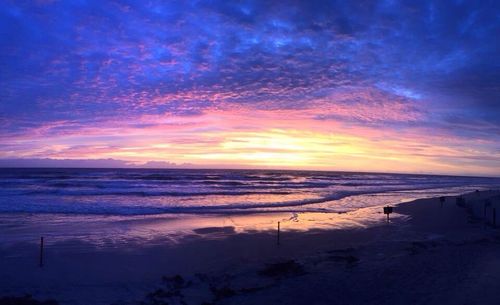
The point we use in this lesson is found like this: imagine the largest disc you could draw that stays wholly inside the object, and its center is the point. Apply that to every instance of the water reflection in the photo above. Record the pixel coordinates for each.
(108, 231)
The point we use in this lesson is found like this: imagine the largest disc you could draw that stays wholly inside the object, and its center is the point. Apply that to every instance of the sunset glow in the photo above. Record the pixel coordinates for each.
(252, 85)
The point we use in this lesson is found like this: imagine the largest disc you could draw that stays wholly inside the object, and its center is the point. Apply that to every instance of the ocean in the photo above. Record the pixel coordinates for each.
(203, 191)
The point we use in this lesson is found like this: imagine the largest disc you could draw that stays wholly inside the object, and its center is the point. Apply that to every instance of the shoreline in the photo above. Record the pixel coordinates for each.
(349, 215)
(79, 272)
(308, 205)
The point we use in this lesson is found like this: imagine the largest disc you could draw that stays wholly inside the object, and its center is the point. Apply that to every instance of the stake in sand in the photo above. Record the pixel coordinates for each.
(41, 252)
(442, 199)
(278, 241)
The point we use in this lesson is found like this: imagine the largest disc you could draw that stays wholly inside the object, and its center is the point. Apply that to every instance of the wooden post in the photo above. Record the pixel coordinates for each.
(278, 242)
(487, 203)
(442, 200)
(387, 211)
(41, 252)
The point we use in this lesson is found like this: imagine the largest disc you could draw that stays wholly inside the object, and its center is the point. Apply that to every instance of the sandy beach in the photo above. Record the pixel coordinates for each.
(429, 253)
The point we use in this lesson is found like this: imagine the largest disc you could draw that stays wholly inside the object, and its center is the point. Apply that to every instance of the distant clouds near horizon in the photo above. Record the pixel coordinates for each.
(85, 163)
(407, 86)
(48, 163)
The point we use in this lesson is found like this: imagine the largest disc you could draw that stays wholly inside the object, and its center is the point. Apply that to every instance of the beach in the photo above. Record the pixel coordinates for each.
(428, 253)
(249, 152)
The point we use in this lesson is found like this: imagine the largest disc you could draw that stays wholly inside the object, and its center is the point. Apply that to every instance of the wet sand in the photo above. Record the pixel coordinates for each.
(427, 254)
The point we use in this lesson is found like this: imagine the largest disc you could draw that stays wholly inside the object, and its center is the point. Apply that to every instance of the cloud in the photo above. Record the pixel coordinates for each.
(64, 163)
(84, 163)
(88, 78)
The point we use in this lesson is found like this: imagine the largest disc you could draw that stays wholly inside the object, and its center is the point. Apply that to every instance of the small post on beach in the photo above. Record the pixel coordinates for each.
(487, 203)
(278, 241)
(442, 199)
(387, 211)
(41, 252)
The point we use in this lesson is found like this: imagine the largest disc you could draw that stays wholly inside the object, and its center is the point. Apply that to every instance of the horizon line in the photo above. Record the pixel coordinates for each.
(251, 169)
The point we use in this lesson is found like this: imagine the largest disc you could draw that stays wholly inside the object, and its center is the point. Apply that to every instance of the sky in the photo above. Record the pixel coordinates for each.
(385, 86)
